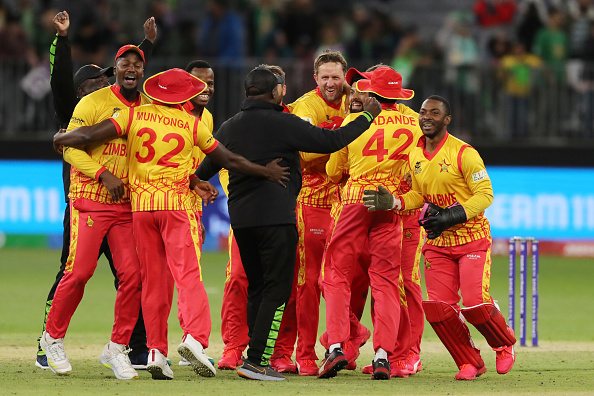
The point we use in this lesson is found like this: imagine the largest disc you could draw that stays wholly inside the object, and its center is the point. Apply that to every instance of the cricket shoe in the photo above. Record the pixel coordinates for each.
(351, 366)
(41, 362)
(139, 361)
(55, 353)
(157, 366)
(184, 362)
(307, 367)
(115, 357)
(193, 352)
(469, 373)
(332, 364)
(230, 360)
(505, 356)
(398, 369)
(258, 372)
(351, 352)
(413, 363)
(381, 369)
(367, 369)
(283, 364)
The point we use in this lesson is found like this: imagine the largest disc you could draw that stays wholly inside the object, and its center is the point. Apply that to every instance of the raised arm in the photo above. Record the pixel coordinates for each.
(61, 81)
(150, 35)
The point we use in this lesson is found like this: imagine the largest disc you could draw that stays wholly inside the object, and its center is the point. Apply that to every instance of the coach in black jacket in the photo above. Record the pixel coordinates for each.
(263, 213)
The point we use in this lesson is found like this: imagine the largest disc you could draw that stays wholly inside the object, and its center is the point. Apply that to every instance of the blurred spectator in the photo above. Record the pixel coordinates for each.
(15, 44)
(461, 56)
(531, 19)
(410, 54)
(330, 38)
(183, 41)
(222, 32)
(263, 25)
(376, 39)
(580, 75)
(166, 26)
(552, 45)
(494, 12)
(519, 72)
(300, 23)
(90, 43)
(581, 15)
(497, 47)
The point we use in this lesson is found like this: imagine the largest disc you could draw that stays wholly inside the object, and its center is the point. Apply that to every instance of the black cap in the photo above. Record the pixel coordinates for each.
(261, 81)
(90, 71)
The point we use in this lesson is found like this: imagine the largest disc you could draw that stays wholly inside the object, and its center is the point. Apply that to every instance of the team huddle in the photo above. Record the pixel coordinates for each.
(336, 194)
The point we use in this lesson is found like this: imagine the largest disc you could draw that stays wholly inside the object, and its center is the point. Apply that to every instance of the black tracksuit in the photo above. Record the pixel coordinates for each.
(65, 100)
(262, 213)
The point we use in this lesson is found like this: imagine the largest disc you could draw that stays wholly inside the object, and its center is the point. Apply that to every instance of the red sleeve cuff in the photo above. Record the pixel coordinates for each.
(117, 126)
(99, 172)
(214, 146)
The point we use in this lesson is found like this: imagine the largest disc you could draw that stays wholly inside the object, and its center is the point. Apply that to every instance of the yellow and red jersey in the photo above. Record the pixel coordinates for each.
(198, 155)
(378, 156)
(316, 189)
(112, 155)
(453, 173)
(161, 141)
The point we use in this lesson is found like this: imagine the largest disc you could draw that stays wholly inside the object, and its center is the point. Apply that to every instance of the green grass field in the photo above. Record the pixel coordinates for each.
(562, 364)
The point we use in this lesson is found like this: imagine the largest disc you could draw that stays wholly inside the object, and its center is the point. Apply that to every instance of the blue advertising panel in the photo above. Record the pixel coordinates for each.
(546, 203)
(31, 197)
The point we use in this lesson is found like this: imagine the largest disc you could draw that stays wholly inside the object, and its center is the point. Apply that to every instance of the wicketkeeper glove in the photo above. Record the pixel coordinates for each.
(380, 200)
(436, 219)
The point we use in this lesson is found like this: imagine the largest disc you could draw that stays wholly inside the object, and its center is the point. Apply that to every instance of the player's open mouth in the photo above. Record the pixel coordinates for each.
(130, 79)
(355, 104)
(204, 96)
(427, 125)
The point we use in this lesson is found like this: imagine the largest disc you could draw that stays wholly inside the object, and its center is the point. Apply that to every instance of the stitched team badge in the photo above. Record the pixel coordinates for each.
(444, 166)
(418, 168)
(427, 263)
(90, 221)
(408, 234)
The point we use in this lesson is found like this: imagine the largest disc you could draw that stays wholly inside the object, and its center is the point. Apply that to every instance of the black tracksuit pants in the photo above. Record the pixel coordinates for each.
(268, 255)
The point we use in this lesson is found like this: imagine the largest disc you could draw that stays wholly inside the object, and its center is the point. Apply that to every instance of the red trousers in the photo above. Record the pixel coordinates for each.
(234, 328)
(89, 222)
(168, 244)
(382, 230)
(313, 226)
(412, 246)
(465, 269)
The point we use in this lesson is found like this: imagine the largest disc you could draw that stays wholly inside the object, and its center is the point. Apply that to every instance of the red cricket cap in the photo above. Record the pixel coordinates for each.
(130, 47)
(385, 82)
(354, 73)
(173, 86)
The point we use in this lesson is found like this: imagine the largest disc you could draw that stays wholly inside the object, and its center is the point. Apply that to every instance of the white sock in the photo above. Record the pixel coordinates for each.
(380, 354)
(334, 346)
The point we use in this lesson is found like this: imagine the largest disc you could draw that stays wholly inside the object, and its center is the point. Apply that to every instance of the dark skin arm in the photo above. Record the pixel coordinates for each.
(237, 163)
(205, 190)
(84, 135)
(112, 184)
(106, 130)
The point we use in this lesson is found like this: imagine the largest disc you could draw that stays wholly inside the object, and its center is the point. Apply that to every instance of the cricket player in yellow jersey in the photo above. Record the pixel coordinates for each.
(325, 107)
(100, 207)
(378, 156)
(161, 137)
(412, 318)
(197, 107)
(450, 177)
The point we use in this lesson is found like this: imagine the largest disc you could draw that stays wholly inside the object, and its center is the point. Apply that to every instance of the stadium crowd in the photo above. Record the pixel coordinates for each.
(499, 57)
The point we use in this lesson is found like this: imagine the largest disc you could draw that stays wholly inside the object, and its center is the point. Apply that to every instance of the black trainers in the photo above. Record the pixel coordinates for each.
(255, 371)
(332, 364)
(381, 369)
